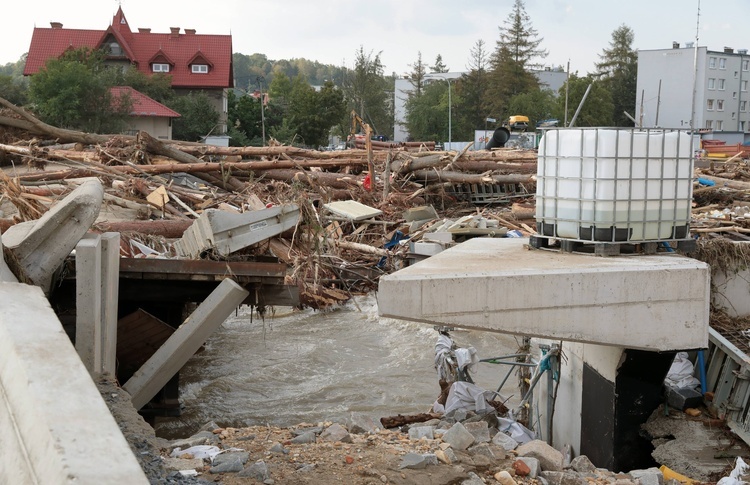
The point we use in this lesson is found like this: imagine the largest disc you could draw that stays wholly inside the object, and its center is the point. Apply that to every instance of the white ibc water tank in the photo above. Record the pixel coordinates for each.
(615, 185)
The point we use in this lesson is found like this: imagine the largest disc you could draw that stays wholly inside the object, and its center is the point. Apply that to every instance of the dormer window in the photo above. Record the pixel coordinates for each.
(115, 49)
(200, 68)
(159, 67)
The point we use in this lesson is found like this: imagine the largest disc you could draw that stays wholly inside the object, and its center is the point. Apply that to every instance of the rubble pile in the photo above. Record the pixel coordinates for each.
(348, 216)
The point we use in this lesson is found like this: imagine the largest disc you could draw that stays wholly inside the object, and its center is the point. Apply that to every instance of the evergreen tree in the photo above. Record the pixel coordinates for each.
(416, 76)
(439, 66)
(515, 52)
(618, 72)
(472, 106)
(369, 93)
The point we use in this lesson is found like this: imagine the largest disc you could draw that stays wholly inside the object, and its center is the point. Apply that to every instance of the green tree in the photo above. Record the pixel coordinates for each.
(198, 117)
(369, 93)
(515, 52)
(244, 120)
(12, 91)
(618, 72)
(472, 106)
(439, 66)
(427, 115)
(596, 110)
(537, 105)
(74, 92)
(417, 74)
(156, 86)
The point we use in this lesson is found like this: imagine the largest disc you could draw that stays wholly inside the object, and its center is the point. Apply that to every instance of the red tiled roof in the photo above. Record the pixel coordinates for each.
(140, 48)
(142, 105)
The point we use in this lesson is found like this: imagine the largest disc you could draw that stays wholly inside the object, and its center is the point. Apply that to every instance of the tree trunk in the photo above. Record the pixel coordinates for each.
(465, 178)
(400, 420)
(172, 229)
(334, 180)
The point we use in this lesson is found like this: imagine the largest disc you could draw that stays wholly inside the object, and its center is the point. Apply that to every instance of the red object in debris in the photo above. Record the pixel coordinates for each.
(367, 183)
(521, 468)
(349, 460)
(269, 205)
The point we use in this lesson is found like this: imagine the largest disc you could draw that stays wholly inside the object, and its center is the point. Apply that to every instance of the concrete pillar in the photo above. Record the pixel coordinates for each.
(54, 425)
(186, 340)
(110, 279)
(89, 303)
(605, 394)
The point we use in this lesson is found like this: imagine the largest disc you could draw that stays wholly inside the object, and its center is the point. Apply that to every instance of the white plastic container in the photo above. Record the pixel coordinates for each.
(614, 185)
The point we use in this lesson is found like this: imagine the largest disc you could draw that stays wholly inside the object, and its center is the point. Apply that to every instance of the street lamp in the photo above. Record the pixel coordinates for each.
(260, 80)
(449, 110)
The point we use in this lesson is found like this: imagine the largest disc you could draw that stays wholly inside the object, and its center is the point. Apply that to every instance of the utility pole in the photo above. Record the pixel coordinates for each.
(260, 80)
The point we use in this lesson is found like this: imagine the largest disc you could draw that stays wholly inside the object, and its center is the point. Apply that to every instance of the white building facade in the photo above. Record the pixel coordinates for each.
(665, 95)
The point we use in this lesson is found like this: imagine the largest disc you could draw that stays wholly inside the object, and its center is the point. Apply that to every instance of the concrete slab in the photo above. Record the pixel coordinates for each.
(5, 273)
(227, 232)
(54, 425)
(41, 246)
(655, 302)
(184, 342)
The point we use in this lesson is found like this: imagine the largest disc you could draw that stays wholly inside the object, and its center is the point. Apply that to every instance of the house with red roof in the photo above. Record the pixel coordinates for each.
(195, 62)
(146, 114)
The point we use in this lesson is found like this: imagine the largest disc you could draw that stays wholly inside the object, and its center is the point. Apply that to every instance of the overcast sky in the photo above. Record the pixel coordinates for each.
(331, 31)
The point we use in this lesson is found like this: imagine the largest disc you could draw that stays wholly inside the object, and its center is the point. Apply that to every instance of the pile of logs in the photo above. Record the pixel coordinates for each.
(329, 258)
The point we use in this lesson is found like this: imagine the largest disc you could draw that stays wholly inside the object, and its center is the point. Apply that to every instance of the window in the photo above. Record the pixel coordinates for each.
(711, 65)
(743, 86)
(745, 65)
(719, 125)
(734, 94)
(743, 105)
(734, 115)
(742, 126)
(710, 104)
(721, 85)
(160, 67)
(709, 124)
(720, 104)
(200, 68)
(711, 83)
(735, 74)
(115, 49)
(722, 63)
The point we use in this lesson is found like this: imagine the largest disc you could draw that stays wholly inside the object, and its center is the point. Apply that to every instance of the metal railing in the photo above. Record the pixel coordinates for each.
(728, 378)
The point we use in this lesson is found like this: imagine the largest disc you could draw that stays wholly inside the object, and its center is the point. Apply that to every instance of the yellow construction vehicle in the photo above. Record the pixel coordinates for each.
(517, 123)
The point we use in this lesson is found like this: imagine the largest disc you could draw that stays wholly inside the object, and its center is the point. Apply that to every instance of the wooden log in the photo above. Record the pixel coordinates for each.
(464, 178)
(728, 183)
(166, 228)
(400, 420)
(61, 134)
(492, 166)
(334, 180)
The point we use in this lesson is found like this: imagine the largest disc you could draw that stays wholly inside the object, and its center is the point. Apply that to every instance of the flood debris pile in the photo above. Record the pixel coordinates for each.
(339, 219)
(460, 447)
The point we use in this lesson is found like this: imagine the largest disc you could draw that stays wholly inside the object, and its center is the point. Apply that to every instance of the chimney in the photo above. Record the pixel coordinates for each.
(56, 25)
(190, 31)
(142, 30)
(175, 32)
(728, 50)
(675, 45)
(742, 52)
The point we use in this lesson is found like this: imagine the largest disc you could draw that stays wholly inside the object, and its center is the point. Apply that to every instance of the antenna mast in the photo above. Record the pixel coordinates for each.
(695, 70)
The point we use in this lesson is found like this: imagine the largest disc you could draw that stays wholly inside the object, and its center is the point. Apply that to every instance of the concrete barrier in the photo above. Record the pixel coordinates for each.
(54, 425)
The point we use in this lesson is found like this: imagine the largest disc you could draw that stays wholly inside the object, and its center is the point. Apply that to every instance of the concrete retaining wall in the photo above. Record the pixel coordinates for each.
(54, 425)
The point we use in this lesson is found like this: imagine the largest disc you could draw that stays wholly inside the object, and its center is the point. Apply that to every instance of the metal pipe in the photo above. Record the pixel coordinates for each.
(580, 105)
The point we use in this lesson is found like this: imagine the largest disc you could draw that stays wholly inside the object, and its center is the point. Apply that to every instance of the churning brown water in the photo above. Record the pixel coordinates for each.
(307, 366)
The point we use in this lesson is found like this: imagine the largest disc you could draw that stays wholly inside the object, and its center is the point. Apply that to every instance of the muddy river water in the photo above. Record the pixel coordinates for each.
(308, 366)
